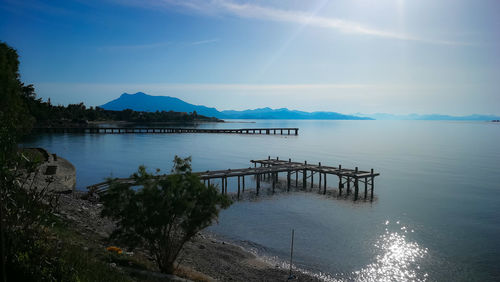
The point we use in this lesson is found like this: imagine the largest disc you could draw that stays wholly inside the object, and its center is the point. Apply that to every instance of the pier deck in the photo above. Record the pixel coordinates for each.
(171, 130)
(271, 169)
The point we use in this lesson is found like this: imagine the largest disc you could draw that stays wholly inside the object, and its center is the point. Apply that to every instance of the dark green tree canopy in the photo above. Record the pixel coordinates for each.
(165, 212)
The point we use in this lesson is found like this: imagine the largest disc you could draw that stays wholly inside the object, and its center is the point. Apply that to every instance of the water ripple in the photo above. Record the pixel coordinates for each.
(398, 260)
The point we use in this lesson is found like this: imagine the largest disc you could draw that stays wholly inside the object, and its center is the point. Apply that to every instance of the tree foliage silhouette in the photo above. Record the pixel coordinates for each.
(165, 213)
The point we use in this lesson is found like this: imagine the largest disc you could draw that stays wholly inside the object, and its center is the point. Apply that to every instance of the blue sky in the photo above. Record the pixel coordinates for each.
(367, 56)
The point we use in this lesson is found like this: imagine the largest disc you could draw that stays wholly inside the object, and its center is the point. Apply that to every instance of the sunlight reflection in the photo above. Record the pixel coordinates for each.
(397, 261)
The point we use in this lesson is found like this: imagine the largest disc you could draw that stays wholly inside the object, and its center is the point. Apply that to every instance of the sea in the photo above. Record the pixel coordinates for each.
(435, 215)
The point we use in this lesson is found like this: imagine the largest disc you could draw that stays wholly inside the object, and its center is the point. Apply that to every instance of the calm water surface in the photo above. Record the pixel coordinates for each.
(436, 215)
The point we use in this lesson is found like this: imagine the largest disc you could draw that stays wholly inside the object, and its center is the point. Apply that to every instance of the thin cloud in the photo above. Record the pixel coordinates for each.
(154, 45)
(252, 11)
(204, 41)
(134, 46)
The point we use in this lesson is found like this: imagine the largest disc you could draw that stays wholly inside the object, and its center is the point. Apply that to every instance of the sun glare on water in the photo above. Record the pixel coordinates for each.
(398, 259)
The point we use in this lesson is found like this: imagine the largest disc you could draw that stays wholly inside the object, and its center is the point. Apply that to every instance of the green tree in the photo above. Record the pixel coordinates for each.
(165, 213)
(24, 207)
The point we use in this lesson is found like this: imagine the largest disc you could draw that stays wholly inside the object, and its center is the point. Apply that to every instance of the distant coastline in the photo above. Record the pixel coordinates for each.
(146, 103)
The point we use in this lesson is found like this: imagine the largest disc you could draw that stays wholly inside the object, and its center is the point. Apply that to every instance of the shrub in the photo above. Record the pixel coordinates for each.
(164, 213)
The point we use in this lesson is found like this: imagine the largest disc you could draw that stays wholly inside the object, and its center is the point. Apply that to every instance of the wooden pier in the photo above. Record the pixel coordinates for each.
(171, 130)
(271, 169)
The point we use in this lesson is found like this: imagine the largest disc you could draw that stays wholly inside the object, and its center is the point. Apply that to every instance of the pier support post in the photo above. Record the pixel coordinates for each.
(373, 184)
(348, 185)
(304, 177)
(243, 183)
(312, 179)
(258, 184)
(366, 187)
(319, 185)
(288, 181)
(225, 185)
(222, 185)
(356, 185)
(324, 187)
(238, 187)
(296, 178)
(274, 180)
(340, 185)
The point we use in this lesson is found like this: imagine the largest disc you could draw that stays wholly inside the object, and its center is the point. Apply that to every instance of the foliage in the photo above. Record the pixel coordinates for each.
(25, 208)
(47, 115)
(165, 213)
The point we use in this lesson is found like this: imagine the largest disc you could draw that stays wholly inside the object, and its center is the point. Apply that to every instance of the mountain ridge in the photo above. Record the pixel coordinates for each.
(143, 102)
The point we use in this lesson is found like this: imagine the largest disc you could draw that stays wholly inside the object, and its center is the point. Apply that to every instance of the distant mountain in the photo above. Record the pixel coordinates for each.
(385, 116)
(147, 103)
(284, 113)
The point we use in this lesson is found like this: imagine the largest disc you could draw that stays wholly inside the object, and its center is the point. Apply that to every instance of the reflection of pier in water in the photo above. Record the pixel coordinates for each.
(271, 169)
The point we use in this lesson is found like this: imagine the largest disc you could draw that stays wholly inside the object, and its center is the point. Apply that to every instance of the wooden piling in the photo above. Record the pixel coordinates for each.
(274, 181)
(373, 184)
(238, 187)
(348, 185)
(288, 181)
(222, 185)
(340, 185)
(324, 187)
(304, 177)
(356, 184)
(258, 184)
(319, 185)
(366, 187)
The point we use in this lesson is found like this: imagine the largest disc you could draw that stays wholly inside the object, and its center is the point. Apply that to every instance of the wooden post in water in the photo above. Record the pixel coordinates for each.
(243, 180)
(296, 178)
(225, 186)
(348, 185)
(258, 184)
(222, 185)
(373, 184)
(356, 184)
(319, 185)
(340, 185)
(312, 179)
(274, 181)
(288, 181)
(238, 187)
(366, 187)
(304, 176)
(324, 187)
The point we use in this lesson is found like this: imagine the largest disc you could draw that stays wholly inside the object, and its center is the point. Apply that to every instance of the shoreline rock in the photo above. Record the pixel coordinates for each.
(59, 172)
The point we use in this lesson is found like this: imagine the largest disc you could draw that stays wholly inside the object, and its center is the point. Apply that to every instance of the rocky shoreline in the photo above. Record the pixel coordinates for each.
(206, 257)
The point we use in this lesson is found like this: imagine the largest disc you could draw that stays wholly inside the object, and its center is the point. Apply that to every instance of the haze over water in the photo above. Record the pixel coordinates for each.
(435, 215)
